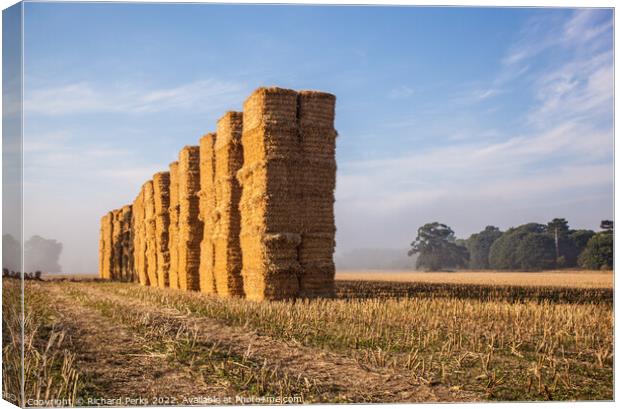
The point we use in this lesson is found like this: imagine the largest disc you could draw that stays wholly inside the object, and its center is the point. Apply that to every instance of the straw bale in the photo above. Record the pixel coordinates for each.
(318, 181)
(139, 244)
(271, 200)
(270, 107)
(228, 161)
(207, 207)
(190, 225)
(161, 191)
(117, 245)
(151, 236)
(174, 226)
(106, 246)
(126, 270)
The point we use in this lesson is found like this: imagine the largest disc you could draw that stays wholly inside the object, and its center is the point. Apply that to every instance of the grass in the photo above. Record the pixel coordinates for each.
(497, 342)
(49, 372)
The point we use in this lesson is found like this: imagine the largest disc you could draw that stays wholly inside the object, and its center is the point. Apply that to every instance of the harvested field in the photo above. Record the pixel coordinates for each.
(444, 346)
(558, 278)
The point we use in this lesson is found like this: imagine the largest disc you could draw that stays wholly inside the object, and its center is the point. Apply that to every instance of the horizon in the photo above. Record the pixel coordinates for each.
(466, 116)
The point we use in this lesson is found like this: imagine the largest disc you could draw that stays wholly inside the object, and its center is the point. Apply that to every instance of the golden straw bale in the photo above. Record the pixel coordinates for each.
(161, 190)
(207, 212)
(127, 243)
(173, 241)
(151, 241)
(270, 202)
(139, 243)
(106, 246)
(190, 226)
(318, 169)
(228, 161)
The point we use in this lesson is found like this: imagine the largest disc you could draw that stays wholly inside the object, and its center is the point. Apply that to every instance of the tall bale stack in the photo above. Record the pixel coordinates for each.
(227, 222)
(271, 195)
(126, 270)
(161, 191)
(139, 235)
(106, 246)
(207, 209)
(318, 168)
(190, 226)
(151, 234)
(173, 229)
(117, 245)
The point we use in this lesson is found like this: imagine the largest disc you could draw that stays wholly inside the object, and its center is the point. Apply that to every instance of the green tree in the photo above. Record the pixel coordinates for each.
(436, 248)
(503, 252)
(535, 251)
(559, 229)
(599, 252)
(479, 246)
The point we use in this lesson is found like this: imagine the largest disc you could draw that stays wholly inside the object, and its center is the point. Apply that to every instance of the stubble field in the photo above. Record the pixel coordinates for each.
(428, 339)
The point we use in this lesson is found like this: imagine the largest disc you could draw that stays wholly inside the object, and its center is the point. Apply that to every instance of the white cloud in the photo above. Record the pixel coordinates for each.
(400, 92)
(77, 98)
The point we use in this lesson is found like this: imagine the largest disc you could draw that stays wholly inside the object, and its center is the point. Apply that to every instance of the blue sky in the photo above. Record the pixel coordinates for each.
(467, 116)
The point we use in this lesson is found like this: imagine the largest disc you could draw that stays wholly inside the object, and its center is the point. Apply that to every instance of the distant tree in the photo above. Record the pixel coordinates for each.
(607, 225)
(599, 252)
(436, 247)
(535, 251)
(479, 246)
(503, 252)
(42, 254)
(558, 228)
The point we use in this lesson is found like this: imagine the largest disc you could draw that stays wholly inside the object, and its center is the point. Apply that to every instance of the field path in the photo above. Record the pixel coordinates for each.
(112, 358)
(113, 355)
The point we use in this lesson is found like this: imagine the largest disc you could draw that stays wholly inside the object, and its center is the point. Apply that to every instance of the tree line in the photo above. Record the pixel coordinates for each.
(529, 247)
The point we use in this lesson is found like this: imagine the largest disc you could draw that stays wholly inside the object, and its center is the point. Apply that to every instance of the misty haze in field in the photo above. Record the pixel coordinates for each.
(375, 259)
(40, 254)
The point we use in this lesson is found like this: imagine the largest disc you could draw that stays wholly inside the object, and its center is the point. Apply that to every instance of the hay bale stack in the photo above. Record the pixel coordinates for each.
(271, 195)
(318, 168)
(126, 244)
(190, 226)
(117, 245)
(228, 161)
(139, 243)
(106, 246)
(173, 229)
(161, 191)
(151, 235)
(207, 207)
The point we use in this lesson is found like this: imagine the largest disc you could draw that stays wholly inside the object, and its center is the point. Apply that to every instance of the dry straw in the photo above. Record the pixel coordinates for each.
(225, 236)
(190, 226)
(151, 241)
(207, 213)
(270, 201)
(173, 211)
(161, 191)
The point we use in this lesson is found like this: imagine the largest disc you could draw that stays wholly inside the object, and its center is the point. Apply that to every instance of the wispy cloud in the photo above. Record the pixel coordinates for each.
(400, 92)
(561, 149)
(82, 97)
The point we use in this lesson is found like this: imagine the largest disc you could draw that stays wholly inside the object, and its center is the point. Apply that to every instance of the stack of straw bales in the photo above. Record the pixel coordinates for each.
(227, 222)
(249, 212)
(173, 230)
(139, 242)
(117, 245)
(161, 190)
(190, 226)
(150, 233)
(126, 256)
(106, 246)
(271, 196)
(316, 112)
(207, 210)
